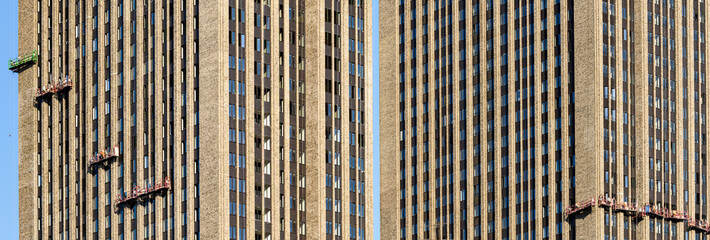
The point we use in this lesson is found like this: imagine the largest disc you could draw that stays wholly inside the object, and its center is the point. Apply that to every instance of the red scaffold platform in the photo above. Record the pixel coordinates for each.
(580, 206)
(632, 209)
(606, 201)
(104, 155)
(54, 87)
(139, 192)
(700, 225)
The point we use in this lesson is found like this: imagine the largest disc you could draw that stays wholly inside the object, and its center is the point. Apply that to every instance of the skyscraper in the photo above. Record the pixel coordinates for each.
(544, 119)
(195, 119)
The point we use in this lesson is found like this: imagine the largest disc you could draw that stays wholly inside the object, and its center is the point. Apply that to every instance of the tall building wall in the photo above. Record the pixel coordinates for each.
(508, 113)
(257, 112)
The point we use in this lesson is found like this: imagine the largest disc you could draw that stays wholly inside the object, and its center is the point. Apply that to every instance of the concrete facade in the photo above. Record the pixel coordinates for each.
(258, 112)
(499, 116)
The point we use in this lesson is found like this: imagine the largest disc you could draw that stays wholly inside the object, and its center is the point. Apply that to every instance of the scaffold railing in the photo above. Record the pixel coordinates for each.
(104, 155)
(54, 87)
(700, 225)
(139, 192)
(580, 206)
(633, 209)
(605, 201)
(626, 207)
(16, 63)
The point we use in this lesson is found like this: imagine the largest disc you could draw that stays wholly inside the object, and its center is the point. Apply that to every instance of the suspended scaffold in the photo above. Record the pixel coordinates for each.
(17, 63)
(632, 209)
(54, 87)
(589, 203)
(140, 192)
(699, 225)
(104, 155)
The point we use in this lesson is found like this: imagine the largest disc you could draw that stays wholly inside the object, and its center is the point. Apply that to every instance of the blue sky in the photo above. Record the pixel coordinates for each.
(8, 122)
(376, 111)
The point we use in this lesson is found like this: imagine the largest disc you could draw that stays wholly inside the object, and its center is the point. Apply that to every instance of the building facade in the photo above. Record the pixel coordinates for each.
(544, 119)
(195, 119)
